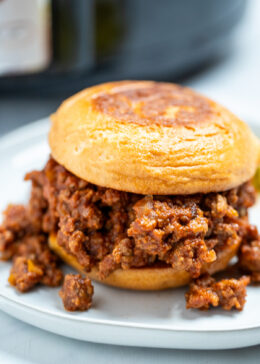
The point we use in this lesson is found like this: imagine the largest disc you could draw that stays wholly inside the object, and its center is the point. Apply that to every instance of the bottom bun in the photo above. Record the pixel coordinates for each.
(150, 278)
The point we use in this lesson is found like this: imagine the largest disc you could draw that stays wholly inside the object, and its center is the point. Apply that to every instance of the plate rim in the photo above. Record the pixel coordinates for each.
(71, 317)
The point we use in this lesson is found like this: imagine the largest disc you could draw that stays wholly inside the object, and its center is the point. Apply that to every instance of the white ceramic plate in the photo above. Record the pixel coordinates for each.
(121, 317)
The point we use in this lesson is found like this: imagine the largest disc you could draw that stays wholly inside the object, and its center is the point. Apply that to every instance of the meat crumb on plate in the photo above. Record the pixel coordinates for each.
(206, 292)
(76, 293)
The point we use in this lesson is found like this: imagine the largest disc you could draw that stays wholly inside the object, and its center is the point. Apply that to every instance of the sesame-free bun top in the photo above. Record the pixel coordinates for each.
(152, 138)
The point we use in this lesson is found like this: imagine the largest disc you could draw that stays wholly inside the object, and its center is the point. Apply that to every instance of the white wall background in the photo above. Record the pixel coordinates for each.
(235, 82)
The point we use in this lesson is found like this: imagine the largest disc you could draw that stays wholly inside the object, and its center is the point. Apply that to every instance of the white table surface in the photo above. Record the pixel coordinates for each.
(235, 82)
(23, 344)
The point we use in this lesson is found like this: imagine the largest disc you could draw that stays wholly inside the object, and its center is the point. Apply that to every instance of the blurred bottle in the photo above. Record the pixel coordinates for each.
(53, 46)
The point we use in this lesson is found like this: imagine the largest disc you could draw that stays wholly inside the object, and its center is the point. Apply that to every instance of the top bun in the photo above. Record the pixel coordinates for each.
(152, 138)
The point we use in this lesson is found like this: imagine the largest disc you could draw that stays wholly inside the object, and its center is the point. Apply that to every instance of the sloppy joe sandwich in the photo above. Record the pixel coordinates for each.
(147, 187)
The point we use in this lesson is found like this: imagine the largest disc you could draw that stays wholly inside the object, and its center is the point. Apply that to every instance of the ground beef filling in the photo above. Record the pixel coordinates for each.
(22, 239)
(114, 229)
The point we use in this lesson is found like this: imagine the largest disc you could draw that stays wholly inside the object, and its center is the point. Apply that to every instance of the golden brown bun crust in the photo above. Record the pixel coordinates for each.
(146, 279)
(152, 138)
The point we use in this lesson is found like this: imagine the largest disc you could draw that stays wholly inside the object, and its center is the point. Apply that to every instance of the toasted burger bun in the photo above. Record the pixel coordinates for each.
(152, 138)
(152, 278)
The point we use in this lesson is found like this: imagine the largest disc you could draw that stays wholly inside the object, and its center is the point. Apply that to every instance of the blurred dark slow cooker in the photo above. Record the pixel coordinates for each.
(62, 45)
